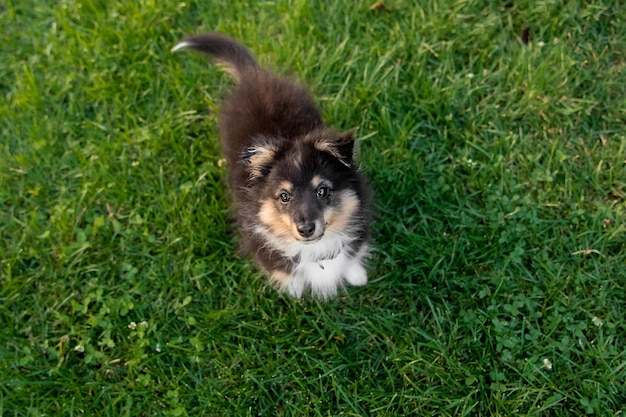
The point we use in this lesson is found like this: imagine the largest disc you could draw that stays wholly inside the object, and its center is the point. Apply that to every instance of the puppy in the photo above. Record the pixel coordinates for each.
(302, 204)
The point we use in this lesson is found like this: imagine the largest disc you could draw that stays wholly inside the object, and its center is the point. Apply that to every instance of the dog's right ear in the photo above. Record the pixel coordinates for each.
(258, 159)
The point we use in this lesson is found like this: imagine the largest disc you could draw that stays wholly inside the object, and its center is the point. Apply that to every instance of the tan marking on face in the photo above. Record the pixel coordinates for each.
(277, 223)
(338, 218)
(316, 181)
(285, 186)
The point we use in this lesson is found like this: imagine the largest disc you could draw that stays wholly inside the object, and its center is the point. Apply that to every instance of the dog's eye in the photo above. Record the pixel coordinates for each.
(322, 191)
(284, 197)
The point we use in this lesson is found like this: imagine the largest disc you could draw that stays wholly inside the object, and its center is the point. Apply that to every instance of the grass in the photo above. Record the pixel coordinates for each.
(498, 281)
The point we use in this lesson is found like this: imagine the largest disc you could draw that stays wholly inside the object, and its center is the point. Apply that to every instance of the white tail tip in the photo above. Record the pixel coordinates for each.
(181, 45)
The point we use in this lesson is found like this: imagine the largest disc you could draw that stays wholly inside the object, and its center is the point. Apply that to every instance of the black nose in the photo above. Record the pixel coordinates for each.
(306, 229)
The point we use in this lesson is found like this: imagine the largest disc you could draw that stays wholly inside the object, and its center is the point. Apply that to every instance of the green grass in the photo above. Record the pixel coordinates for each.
(498, 280)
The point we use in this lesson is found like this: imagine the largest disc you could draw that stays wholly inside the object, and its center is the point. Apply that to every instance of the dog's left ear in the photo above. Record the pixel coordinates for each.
(341, 146)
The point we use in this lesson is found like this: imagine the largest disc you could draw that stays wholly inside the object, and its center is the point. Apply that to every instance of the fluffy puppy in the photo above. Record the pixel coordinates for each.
(302, 204)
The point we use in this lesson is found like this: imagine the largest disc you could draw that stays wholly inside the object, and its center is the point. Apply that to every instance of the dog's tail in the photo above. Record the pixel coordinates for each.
(232, 55)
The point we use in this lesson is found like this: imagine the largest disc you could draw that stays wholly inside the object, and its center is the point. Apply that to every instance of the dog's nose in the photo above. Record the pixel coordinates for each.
(306, 229)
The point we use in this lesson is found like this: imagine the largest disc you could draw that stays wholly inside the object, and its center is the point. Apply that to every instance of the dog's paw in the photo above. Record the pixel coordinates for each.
(296, 287)
(356, 275)
(288, 283)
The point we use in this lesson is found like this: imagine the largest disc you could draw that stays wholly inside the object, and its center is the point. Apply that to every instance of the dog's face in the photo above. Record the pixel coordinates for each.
(307, 189)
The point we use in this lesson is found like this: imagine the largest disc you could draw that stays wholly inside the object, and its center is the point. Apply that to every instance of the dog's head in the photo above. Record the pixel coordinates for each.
(309, 187)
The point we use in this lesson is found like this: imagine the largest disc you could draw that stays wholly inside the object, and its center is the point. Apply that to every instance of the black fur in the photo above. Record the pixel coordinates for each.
(270, 130)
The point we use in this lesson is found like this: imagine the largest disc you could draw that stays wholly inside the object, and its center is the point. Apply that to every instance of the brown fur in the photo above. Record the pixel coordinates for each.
(301, 200)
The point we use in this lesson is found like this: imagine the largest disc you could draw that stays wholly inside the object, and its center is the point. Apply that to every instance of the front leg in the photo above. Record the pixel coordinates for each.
(356, 275)
(293, 284)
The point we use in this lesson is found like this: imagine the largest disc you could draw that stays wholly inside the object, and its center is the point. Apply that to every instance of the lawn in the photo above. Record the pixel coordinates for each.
(494, 138)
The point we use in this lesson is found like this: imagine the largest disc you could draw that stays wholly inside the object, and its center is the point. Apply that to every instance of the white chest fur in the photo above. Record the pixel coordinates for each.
(325, 276)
